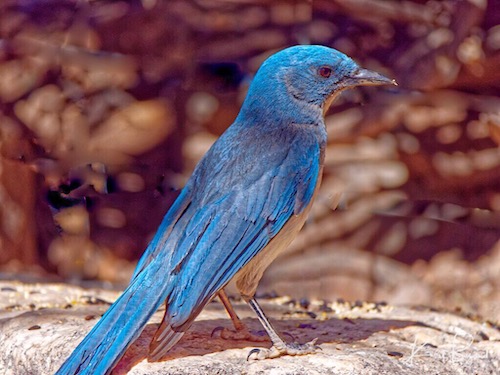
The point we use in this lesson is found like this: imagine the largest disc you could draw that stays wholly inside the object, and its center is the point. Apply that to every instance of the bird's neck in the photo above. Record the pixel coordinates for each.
(275, 106)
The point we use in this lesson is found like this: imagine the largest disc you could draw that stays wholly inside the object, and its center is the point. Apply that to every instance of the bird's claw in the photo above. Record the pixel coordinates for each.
(253, 351)
(217, 329)
(286, 349)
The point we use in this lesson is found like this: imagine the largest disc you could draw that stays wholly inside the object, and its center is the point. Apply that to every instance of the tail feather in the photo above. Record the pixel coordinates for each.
(102, 348)
(164, 339)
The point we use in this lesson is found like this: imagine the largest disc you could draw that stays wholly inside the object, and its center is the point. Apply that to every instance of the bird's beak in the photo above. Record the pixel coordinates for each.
(361, 77)
(365, 77)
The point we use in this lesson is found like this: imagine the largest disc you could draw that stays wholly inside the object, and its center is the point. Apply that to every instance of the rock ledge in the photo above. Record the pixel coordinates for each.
(40, 324)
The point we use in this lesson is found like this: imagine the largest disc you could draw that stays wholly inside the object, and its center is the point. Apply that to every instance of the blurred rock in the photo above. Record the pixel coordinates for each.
(446, 281)
(346, 273)
(131, 131)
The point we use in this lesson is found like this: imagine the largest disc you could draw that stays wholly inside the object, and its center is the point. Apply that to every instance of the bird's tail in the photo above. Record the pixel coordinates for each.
(102, 348)
(163, 340)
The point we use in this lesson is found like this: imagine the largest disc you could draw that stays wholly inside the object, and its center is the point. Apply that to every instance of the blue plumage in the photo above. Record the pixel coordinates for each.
(243, 204)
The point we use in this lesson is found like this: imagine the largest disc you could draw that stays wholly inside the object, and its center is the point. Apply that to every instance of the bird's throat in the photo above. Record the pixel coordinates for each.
(328, 102)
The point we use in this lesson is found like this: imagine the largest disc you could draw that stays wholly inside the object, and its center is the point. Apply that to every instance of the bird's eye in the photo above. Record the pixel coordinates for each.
(325, 71)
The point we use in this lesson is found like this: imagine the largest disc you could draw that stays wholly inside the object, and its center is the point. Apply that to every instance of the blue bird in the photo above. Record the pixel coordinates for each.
(245, 202)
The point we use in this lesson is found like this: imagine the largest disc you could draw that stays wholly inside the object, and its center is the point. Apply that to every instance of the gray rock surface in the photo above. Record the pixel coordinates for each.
(40, 324)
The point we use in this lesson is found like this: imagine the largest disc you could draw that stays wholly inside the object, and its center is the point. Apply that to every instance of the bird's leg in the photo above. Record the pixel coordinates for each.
(242, 332)
(238, 324)
(280, 347)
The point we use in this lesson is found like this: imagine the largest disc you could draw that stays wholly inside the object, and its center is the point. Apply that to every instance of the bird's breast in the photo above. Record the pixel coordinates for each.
(249, 276)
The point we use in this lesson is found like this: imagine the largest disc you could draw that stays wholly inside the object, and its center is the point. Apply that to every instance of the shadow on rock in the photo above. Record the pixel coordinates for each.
(198, 340)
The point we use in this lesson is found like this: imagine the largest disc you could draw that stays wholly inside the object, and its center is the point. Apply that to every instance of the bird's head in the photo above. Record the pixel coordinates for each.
(313, 75)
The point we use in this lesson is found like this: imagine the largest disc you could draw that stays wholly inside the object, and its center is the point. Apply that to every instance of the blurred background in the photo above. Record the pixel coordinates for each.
(106, 106)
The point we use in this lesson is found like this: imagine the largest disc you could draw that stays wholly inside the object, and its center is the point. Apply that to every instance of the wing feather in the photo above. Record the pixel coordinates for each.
(235, 235)
(233, 214)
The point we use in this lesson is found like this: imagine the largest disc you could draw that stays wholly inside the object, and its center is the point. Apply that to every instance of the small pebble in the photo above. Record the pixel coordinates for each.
(395, 354)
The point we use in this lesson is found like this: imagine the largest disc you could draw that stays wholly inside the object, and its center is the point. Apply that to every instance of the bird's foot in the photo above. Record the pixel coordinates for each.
(281, 349)
(241, 334)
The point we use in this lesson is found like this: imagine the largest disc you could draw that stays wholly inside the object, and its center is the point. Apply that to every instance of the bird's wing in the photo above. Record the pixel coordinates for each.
(168, 223)
(235, 219)
(227, 213)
